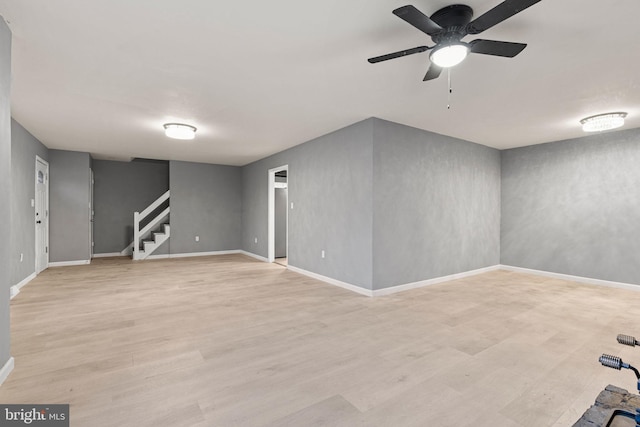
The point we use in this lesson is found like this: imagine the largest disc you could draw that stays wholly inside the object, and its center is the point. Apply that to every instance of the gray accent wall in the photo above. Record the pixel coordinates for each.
(69, 184)
(24, 149)
(573, 207)
(120, 189)
(330, 185)
(5, 190)
(436, 205)
(389, 204)
(206, 201)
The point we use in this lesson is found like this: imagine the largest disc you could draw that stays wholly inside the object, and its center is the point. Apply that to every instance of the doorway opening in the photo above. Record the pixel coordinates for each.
(41, 205)
(278, 230)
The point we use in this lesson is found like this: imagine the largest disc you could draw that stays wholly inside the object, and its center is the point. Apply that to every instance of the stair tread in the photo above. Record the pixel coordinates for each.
(154, 241)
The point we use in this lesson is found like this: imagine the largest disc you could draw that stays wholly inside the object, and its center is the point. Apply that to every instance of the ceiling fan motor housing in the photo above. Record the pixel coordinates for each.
(453, 20)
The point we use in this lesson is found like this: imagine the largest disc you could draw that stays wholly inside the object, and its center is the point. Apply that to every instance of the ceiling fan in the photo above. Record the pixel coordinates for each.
(449, 25)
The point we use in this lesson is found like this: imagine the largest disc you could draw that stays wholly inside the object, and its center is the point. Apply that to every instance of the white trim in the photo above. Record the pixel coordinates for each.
(194, 254)
(152, 224)
(108, 255)
(70, 263)
(161, 256)
(6, 370)
(152, 207)
(580, 279)
(435, 280)
(91, 213)
(329, 280)
(252, 255)
(271, 214)
(138, 234)
(393, 289)
(46, 207)
(128, 251)
(15, 289)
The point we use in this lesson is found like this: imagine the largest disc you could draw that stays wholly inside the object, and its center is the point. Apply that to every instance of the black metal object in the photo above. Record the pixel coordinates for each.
(451, 24)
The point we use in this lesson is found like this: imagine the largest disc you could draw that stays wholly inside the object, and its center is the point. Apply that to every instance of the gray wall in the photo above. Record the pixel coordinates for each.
(280, 222)
(120, 189)
(436, 205)
(573, 207)
(69, 206)
(206, 201)
(329, 182)
(24, 149)
(5, 189)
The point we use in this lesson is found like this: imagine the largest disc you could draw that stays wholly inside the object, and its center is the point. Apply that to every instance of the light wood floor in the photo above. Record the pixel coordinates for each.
(229, 341)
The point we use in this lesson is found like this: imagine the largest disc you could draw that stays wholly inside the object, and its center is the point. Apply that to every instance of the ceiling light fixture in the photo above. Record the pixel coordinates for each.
(602, 122)
(449, 55)
(179, 131)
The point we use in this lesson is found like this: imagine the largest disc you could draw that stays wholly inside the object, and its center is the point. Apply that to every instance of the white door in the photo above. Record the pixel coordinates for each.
(42, 215)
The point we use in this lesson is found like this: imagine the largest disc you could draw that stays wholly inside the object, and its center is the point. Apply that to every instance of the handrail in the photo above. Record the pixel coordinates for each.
(139, 216)
(154, 222)
(153, 206)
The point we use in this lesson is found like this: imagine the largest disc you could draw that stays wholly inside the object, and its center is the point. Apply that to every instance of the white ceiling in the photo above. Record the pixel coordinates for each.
(257, 77)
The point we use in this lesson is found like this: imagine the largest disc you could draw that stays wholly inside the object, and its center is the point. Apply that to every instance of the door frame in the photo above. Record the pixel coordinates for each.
(46, 210)
(271, 202)
(91, 212)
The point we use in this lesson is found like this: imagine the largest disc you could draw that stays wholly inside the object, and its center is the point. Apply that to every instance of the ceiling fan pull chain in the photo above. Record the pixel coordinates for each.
(450, 90)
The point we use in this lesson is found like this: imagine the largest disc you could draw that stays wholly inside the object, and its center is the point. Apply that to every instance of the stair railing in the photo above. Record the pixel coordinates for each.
(138, 217)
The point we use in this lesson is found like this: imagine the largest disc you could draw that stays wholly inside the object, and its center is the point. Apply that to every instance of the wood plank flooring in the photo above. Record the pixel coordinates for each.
(230, 341)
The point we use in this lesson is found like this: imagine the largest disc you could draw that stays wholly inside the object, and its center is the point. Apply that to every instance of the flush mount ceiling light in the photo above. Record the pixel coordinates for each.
(601, 122)
(449, 55)
(179, 131)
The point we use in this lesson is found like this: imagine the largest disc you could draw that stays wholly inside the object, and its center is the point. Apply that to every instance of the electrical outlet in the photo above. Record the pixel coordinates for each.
(21, 257)
(197, 238)
(255, 240)
(291, 205)
(322, 254)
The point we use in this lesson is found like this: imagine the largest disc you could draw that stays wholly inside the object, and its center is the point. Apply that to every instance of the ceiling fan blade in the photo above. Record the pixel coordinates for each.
(433, 73)
(503, 11)
(399, 54)
(496, 48)
(418, 19)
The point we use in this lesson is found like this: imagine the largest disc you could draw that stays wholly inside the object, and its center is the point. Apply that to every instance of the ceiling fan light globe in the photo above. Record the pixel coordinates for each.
(449, 56)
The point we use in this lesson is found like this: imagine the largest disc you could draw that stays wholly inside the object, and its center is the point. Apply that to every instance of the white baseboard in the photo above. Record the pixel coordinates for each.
(108, 255)
(252, 255)
(15, 289)
(128, 251)
(160, 256)
(193, 254)
(329, 280)
(393, 289)
(70, 263)
(407, 286)
(6, 370)
(580, 279)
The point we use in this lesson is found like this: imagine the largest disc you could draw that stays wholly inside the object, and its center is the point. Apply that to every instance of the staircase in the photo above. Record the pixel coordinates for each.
(155, 233)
